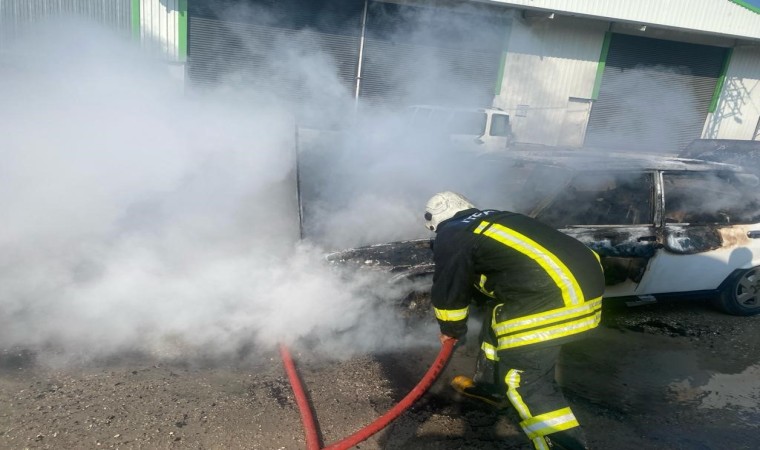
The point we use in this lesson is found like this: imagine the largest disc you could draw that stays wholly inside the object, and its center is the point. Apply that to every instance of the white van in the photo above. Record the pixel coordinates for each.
(488, 128)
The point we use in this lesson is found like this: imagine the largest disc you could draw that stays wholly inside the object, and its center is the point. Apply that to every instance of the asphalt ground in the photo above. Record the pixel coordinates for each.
(677, 375)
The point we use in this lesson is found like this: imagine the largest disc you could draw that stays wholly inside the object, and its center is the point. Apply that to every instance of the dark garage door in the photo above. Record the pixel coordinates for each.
(256, 43)
(411, 54)
(655, 94)
(424, 55)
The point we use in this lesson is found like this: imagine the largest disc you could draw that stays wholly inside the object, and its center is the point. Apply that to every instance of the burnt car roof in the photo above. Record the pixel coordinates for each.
(601, 159)
(732, 151)
(701, 147)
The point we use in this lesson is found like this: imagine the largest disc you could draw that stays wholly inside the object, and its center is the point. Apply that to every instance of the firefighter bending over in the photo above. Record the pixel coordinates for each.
(540, 287)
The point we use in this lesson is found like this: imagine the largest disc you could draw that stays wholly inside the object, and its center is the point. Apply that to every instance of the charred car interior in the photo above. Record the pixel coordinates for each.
(663, 226)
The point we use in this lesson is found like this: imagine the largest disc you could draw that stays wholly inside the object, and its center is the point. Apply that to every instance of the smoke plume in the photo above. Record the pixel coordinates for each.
(143, 218)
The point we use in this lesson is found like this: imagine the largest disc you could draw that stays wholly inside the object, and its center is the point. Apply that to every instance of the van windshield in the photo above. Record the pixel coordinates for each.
(500, 125)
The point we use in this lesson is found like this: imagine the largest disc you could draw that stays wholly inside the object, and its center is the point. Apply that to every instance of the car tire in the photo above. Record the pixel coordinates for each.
(740, 293)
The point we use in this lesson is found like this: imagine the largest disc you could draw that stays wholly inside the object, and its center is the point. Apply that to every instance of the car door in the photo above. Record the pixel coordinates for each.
(709, 218)
(613, 213)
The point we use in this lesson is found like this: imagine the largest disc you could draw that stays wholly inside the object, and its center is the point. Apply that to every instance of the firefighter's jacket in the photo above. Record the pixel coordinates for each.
(546, 286)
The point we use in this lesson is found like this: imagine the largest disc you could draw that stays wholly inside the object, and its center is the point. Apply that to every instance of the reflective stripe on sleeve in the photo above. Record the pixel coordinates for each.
(482, 287)
(548, 423)
(489, 351)
(451, 315)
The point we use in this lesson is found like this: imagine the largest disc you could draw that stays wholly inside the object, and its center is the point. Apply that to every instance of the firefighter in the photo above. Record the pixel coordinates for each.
(541, 289)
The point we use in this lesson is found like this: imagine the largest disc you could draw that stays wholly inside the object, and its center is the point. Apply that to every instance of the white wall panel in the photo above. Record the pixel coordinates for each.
(738, 109)
(547, 63)
(159, 27)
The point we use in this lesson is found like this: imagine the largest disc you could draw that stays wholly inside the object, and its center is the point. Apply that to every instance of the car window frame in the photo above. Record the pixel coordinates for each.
(654, 198)
(710, 173)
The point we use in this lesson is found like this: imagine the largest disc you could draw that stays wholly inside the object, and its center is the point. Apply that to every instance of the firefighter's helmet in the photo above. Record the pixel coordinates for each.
(443, 206)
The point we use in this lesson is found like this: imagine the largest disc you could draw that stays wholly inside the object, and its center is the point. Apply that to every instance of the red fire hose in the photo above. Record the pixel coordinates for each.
(312, 438)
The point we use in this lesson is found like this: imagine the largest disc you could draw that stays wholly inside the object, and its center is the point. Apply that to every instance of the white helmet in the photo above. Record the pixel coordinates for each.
(443, 206)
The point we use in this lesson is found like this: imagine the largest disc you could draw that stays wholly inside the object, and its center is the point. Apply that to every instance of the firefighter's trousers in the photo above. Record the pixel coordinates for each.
(527, 378)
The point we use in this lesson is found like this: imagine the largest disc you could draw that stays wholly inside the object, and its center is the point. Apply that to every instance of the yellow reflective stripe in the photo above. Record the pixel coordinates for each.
(513, 382)
(549, 333)
(556, 269)
(489, 351)
(548, 423)
(480, 227)
(540, 444)
(451, 315)
(547, 317)
(482, 287)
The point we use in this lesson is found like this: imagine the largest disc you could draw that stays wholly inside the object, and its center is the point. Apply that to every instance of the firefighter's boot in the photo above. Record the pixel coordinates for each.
(480, 391)
(573, 439)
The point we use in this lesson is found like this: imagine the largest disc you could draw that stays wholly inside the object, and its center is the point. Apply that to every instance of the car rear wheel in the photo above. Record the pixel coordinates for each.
(741, 293)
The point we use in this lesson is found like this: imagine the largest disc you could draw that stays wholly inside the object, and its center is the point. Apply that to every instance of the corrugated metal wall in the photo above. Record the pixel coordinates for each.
(15, 15)
(159, 20)
(547, 62)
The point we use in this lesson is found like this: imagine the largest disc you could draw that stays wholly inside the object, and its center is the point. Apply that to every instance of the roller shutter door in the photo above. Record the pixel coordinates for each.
(256, 43)
(424, 55)
(411, 54)
(655, 94)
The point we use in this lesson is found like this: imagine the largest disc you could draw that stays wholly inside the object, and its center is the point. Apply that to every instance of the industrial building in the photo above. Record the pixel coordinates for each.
(569, 72)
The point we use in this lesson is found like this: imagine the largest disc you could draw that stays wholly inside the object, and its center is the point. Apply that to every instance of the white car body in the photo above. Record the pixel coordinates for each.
(663, 226)
(671, 272)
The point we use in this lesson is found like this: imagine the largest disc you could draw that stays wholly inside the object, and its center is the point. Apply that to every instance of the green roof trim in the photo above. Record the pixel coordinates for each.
(502, 61)
(721, 81)
(500, 75)
(136, 19)
(602, 65)
(182, 31)
(753, 8)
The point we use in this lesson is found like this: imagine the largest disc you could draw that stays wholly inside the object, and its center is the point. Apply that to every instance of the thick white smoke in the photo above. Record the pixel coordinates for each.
(142, 216)
(138, 218)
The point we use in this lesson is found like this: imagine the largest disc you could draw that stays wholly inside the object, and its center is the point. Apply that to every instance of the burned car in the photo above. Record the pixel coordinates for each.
(663, 226)
(732, 151)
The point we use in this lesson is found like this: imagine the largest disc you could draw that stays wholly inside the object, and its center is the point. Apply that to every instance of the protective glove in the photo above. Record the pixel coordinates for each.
(443, 338)
(459, 341)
